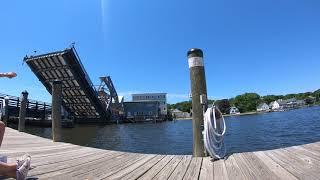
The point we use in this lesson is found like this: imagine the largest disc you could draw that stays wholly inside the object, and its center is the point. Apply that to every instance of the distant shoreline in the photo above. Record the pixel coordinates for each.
(250, 113)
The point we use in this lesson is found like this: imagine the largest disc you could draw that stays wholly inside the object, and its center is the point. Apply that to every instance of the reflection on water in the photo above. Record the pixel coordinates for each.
(244, 133)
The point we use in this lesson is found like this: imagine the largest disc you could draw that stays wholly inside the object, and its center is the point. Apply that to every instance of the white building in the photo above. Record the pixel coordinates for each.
(262, 107)
(234, 110)
(160, 97)
(176, 113)
(274, 105)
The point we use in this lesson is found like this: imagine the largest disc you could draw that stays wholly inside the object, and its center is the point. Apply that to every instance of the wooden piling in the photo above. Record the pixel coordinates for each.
(56, 110)
(44, 112)
(198, 88)
(22, 112)
(6, 110)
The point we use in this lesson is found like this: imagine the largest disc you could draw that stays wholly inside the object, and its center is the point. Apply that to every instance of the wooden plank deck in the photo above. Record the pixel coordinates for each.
(67, 161)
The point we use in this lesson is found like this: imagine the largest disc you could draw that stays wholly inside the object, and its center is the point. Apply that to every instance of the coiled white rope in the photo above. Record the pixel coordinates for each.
(214, 130)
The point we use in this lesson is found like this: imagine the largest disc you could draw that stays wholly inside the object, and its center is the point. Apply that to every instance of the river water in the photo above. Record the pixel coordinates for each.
(244, 133)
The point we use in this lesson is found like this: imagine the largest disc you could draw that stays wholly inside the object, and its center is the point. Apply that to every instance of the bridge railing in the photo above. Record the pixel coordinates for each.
(85, 72)
(15, 101)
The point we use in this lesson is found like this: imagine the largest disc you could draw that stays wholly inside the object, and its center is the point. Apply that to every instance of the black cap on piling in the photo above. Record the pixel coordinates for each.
(195, 52)
(25, 92)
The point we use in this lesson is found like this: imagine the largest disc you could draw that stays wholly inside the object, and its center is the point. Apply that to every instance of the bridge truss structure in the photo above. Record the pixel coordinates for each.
(80, 98)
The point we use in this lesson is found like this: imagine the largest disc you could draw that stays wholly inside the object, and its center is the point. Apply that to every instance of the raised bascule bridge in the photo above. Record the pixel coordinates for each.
(83, 102)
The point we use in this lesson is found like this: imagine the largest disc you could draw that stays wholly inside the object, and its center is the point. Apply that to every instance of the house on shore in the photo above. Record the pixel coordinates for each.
(274, 105)
(263, 107)
(290, 103)
(176, 113)
(301, 103)
(234, 110)
(280, 104)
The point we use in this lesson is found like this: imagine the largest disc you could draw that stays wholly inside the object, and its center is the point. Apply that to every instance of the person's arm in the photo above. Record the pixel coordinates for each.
(8, 75)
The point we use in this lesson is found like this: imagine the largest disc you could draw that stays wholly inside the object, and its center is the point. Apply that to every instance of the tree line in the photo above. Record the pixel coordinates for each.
(248, 102)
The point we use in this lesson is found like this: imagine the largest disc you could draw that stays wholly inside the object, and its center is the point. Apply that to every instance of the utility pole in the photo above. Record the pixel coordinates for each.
(199, 96)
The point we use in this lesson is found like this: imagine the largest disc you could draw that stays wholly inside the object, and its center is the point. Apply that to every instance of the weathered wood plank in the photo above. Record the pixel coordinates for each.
(244, 167)
(206, 171)
(169, 168)
(220, 170)
(312, 147)
(193, 169)
(307, 152)
(135, 174)
(157, 168)
(233, 169)
(65, 165)
(17, 153)
(291, 165)
(277, 169)
(181, 169)
(111, 167)
(122, 165)
(123, 172)
(257, 167)
(311, 163)
(85, 167)
(65, 158)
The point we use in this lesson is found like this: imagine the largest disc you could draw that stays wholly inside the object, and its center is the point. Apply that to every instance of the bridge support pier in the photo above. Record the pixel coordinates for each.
(199, 93)
(56, 110)
(22, 112)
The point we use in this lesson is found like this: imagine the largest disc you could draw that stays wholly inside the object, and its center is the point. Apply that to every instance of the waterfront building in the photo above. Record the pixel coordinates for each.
(290, 103)
(160, 97)
(141, 110)
(274, 105)
(310, 100)
(286, 104)
(263, 107)
(176, 113)
(301, 103)
(234, 110)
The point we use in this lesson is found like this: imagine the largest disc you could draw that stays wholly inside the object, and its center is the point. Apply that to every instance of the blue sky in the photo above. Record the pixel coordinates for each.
(266, 46)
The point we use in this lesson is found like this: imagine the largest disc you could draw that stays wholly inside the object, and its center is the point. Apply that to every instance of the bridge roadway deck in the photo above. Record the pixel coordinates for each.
(67, 161)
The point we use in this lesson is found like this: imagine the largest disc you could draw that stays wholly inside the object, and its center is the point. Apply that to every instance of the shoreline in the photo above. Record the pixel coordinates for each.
(252, 113)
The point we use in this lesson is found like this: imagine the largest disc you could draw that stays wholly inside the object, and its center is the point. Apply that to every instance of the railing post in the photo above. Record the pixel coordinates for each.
(6, 110)
(198, 88)
(18, 101)
(44, 112)
(56, 110)
(22, 112)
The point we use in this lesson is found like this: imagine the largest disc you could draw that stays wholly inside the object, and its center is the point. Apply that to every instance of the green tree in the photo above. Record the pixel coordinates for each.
(247, 102)
(184, 106)
(302, 96)
(269, 98)
(289, 96)
(231, 101)
(316, 94)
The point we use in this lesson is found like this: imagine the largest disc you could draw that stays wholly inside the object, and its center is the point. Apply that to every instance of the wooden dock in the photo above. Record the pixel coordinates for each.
(67, 161)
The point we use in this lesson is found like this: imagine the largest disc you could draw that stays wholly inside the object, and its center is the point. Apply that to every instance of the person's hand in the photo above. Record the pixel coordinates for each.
(10, 75)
